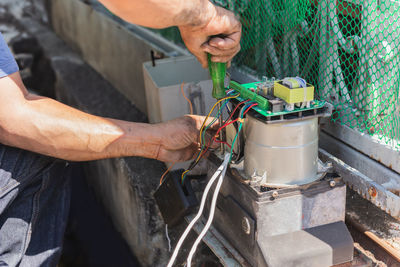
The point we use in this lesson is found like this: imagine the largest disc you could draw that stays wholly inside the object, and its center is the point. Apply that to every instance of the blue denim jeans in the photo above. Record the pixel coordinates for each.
(34, 204)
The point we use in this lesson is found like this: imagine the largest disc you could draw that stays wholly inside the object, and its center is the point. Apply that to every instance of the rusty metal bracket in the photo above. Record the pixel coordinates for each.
(381, 152)
(365, 186)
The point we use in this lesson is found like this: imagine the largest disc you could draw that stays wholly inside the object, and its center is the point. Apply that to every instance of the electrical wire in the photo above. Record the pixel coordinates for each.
(187, 99)
(216, 193)
(203, 130)
(212, 211)
(200, 154)
(191, 113)
(165, 173)
(214, 138)
(221, 171)
(233, 112)
(212, 109)
(167, 236)
(199, 213)
(242, 112)
(223, 142)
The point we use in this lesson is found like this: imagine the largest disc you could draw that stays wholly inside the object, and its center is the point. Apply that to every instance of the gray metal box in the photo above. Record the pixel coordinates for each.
(296, 226)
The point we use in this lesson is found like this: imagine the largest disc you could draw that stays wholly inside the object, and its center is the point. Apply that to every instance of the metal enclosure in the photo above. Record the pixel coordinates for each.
(298, 226)
(284, 153)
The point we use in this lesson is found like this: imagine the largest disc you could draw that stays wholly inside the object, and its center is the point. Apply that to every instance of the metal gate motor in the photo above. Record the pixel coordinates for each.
(280, 206)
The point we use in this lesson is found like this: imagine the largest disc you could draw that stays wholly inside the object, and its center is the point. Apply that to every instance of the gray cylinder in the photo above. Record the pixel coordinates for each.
(286, 153)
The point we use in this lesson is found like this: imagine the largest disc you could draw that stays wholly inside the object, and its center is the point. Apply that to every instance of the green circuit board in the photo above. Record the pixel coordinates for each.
(264, 108)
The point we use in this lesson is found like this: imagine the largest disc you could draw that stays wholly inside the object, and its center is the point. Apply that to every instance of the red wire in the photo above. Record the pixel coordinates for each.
(219, 141)
(233, 112)
(225, 125)
(247, 110)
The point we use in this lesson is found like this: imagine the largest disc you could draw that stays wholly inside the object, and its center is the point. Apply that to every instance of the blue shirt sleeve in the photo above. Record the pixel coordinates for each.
(8, 65)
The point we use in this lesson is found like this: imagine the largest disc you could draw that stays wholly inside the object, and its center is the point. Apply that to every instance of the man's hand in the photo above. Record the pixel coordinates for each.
(198, 20)
(180, 138)
(199, 38)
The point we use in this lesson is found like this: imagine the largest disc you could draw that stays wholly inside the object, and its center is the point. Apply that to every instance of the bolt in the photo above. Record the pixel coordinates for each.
(275, 194)
(246, 225)
(332, 183)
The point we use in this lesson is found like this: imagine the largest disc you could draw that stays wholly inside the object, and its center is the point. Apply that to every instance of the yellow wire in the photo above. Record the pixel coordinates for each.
(187, 99)
(212, 109)
(202, 127)
(183, 174)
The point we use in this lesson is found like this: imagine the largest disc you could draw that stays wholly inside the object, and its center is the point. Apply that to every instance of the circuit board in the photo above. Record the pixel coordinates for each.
(247, 91)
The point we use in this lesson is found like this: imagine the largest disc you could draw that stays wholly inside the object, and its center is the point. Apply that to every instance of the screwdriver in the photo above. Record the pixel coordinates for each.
(217, 72)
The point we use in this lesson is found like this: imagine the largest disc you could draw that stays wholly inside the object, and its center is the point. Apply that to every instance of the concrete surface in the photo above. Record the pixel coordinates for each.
(113, 48)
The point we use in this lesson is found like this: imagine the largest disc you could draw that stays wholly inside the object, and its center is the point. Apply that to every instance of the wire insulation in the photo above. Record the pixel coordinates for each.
(165, 173)
(199, 213)
(221, 171)
(212, 211)
(187, 99)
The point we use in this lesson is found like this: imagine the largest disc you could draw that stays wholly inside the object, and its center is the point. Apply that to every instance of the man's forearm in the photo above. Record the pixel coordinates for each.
(48, 127)
(162, 13)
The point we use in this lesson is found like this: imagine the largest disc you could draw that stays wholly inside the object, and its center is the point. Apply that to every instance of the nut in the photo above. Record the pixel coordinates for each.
(275, 194)
(332, 183)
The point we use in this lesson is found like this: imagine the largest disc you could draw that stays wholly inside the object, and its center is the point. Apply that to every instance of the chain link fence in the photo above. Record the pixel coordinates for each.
(348, 49)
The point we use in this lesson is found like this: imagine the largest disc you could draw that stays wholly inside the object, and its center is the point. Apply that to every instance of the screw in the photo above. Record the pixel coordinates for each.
(246, 225)
(275, 194)
(332, 183)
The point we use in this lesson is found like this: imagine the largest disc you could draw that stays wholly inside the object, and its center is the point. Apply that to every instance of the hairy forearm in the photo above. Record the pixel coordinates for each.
(162, 13)
(49, 127)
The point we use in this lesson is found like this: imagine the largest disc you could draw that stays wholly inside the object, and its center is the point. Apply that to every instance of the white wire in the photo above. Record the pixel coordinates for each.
(212, 211)
(169, 240)
(198, 215)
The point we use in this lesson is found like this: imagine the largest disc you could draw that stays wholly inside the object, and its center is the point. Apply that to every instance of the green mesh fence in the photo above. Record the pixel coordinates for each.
(348, 49)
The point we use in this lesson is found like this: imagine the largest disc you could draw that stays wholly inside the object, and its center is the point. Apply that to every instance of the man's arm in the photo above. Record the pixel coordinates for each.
(49, 127)
(198, 21)
(162, 13)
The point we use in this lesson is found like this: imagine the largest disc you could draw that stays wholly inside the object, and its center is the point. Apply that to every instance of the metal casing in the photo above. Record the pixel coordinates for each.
(276, 228)
(284, 153)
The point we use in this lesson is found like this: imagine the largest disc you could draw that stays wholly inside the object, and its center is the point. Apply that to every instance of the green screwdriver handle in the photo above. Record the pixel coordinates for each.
(217, 73)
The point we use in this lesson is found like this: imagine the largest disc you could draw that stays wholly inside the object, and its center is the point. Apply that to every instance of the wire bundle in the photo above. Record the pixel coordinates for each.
(219, 174)
(203, 130)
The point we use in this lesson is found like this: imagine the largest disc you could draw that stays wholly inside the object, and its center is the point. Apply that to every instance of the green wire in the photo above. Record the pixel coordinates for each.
(203, 134)
(237, 134)
(209, 125)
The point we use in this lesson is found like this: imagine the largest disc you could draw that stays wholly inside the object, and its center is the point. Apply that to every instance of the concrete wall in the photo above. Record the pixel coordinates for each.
(113, 48)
